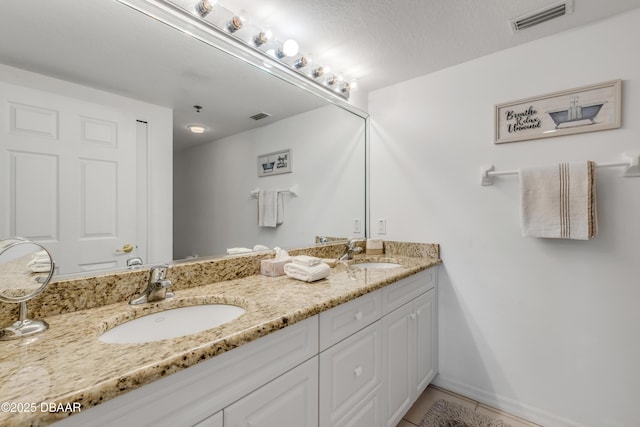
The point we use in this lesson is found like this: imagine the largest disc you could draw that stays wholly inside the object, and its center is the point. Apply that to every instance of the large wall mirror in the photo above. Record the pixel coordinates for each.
(98, 163)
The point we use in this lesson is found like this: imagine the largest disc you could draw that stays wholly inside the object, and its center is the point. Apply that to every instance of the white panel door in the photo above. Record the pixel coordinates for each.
(68, 177)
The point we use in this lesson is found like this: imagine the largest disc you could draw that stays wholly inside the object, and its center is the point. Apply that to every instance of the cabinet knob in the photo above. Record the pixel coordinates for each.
(358, 316)
(413, 316)
(358, 371)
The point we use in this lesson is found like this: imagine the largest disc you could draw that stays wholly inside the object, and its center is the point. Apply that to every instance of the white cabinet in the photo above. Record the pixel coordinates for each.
(410, 354)
(349, 372)
(214, 420)
(290, 400)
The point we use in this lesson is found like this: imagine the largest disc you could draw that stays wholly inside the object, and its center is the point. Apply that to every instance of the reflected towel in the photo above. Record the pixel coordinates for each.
(305, 273)
(40, 262)
(235, 251)
(270, 208)
(559, 201)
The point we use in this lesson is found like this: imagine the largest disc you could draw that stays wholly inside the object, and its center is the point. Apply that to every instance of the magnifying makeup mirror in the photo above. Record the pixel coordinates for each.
(25, 270)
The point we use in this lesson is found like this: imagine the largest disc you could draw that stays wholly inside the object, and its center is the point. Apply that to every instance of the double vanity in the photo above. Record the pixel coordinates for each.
(355, 349)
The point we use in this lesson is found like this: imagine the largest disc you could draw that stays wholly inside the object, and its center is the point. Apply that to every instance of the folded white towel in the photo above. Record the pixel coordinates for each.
(234, 251)
(306, 260)
(270, 208)
(307, 274)
(559, 201)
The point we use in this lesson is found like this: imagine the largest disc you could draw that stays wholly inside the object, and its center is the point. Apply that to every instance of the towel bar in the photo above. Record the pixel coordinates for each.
(631, 162)
(293, 191)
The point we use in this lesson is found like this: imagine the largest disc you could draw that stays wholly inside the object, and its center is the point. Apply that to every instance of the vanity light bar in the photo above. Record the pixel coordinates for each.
(263, 42)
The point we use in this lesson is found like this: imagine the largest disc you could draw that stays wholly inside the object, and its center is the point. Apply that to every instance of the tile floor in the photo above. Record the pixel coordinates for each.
(432, 394)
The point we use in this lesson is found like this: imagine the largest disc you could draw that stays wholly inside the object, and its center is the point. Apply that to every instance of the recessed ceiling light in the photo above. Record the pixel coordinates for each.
(196, 128)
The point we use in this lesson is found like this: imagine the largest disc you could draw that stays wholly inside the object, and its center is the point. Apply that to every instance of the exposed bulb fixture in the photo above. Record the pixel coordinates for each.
(301, 62)
(196, 128)
(204, 7)
(265, 43)
(289, 48)
(317, 72)
(234, 24)
(262, 37)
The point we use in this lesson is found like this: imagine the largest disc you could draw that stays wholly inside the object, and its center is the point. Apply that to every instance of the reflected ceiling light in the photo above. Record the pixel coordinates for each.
(204, 7)
(234, 24)
(345, 88)
(331, 80)
(196, 128)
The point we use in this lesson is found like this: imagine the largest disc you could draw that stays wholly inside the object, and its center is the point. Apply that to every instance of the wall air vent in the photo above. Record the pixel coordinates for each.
(260, 116)
(545, 14)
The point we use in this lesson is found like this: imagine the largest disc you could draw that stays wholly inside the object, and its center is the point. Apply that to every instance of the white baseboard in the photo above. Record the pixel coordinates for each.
(505, 404)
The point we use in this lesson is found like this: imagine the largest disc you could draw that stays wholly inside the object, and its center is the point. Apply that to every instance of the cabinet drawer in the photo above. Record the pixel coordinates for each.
(403, 291)
(348, 372)
(346, 319)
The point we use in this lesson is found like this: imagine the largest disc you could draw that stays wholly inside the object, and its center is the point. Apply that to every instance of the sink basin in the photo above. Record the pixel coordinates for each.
(376, 265)
(172, 323)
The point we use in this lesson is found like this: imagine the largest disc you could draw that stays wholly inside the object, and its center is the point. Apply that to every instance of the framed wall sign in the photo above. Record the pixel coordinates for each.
(274, 163)
(584, 109)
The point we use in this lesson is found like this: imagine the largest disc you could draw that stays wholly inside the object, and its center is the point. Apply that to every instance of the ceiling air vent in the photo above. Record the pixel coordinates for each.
(545, 14)
(260, 116)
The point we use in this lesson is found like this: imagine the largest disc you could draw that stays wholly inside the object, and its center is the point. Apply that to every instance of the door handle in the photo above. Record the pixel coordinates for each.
(126, 248)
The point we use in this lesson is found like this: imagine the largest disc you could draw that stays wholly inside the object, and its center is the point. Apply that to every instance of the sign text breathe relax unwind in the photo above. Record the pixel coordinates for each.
(524, 120)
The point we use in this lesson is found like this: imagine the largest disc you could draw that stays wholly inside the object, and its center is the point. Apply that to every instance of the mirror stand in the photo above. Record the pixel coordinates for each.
(25, 270)
(23, 327)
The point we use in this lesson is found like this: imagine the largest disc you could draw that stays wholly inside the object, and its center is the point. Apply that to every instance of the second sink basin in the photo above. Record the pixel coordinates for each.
(376, 265)
(172, 323)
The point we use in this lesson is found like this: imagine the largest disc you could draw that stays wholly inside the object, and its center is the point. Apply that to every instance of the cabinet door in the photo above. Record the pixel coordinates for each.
(398, 345)
(426, 337)
(290, 400)
(213, 421)
(349, 372)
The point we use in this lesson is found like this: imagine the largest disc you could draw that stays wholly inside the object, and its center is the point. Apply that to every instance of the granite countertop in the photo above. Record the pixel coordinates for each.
(68, 364)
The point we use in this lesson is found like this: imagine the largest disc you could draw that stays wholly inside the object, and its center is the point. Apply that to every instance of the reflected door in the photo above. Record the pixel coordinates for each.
(68, 177)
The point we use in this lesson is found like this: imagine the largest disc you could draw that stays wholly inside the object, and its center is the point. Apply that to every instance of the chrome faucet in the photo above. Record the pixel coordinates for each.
(350, 249)
(156, 287)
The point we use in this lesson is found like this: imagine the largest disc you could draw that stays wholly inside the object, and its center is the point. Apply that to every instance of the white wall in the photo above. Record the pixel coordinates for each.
(547, 329)
(158, 156)
(213, 209)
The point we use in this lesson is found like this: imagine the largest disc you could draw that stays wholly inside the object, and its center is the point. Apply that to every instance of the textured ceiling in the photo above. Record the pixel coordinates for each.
(103, 44)
(382, 42)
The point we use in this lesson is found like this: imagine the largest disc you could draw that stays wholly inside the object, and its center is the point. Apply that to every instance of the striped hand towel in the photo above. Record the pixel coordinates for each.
(559, 201)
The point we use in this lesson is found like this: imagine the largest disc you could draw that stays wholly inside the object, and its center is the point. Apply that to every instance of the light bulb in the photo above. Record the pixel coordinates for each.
(301, 62)
(234, 24)
(290, 48)
(317, 72)
(262, 37)
(204, 7)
